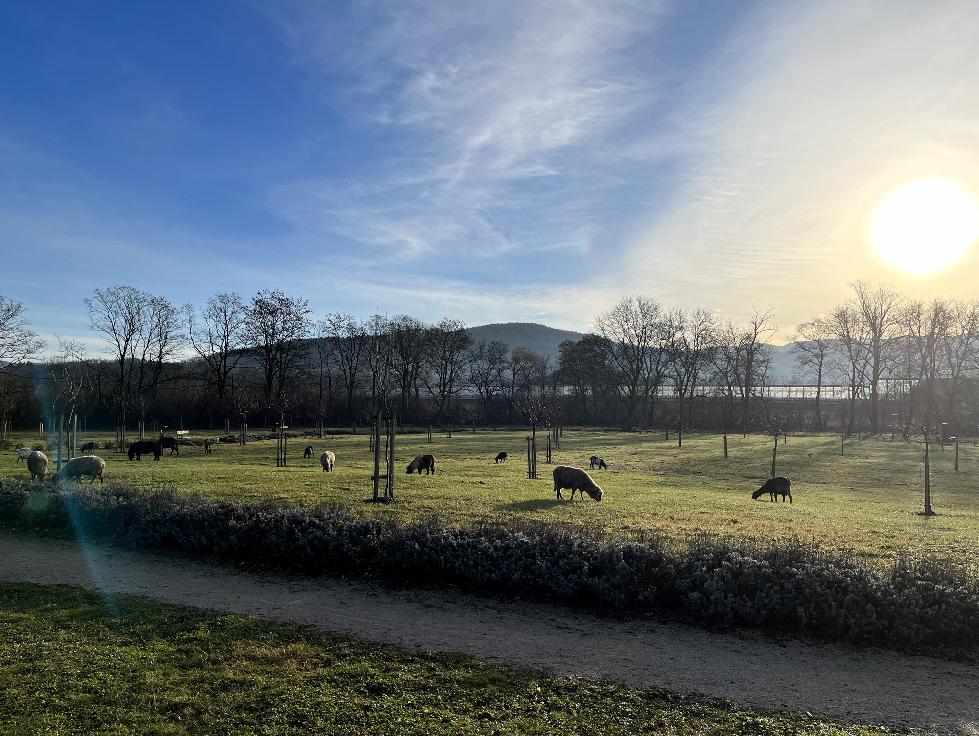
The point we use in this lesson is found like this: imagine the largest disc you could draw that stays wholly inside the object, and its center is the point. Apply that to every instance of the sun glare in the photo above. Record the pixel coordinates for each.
(925, 227)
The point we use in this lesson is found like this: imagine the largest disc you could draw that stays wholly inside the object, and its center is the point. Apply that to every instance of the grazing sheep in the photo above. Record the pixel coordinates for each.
(23, 452)
(144, 447)
(308, 452)
(577, 480)
(37, 463)
(170, 443)
(87, 447)
(327, 459)
(86, 465)
(775, 487)
(207, 447)
(422, 462)
(595, 460)
(501, 458)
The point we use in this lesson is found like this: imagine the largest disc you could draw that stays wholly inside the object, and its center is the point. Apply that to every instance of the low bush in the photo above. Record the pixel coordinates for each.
(789, 587)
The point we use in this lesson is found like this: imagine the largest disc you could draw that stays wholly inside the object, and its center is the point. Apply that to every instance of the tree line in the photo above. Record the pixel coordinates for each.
(904, 363)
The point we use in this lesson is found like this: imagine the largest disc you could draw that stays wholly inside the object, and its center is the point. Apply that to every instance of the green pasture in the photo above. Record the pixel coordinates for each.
(866, 500)
(71, 662)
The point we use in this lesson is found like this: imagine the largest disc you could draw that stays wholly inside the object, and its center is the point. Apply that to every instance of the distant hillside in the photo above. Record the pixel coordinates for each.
(542, 339)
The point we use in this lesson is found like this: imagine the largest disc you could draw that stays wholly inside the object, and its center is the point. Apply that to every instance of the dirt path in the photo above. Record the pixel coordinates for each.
(864, 686)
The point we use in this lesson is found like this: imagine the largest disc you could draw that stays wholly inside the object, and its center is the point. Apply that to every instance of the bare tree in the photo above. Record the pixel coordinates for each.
(274, 325)
(692, 343)
(325, 360)
(880, 309)
(487, 365)
(813, 346)
(408, 338)
(218, 339)
(349, 343)
(959, 351)
(143, 334)
(742, 358)
(18, 343)
(448, 342)
(925, 328)
(637, 338)
(851, 360)
(380, 362)
(13, 390)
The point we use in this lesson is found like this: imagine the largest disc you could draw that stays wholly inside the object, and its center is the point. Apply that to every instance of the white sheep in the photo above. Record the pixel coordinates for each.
(577, 480)
(87, 465)
(37, 463)
(326, 460)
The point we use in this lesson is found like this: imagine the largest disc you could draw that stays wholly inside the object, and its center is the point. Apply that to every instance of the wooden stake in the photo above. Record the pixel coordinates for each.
(928, 509)
(377, 456)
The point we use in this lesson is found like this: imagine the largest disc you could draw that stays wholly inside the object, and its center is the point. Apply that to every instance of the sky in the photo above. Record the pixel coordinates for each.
(510, 161)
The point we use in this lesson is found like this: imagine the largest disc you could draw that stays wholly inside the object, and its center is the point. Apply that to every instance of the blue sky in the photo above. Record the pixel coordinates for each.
(512, 161)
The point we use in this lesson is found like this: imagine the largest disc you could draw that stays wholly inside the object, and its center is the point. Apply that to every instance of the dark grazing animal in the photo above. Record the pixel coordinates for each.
(170, 443)
(775, 487)
(144, 447)
(596, 461)
(308, 452)
(87, 447)
(422, 462)
(207, 447)
(501, 458)
(577, 480)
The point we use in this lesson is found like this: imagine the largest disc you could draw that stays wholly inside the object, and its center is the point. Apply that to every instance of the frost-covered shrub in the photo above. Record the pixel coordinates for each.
(786, 587)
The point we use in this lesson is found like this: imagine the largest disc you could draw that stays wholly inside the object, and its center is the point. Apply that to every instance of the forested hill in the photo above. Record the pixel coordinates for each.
(542, 339)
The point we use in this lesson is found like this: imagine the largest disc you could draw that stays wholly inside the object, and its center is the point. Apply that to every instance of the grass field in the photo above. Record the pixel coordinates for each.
(71, 662)
(866, 500)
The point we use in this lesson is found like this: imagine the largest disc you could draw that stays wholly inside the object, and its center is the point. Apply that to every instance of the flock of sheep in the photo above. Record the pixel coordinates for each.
(86, 466)
(576, 480)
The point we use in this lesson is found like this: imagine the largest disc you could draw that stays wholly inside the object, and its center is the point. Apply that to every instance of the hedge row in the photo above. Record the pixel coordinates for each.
(790, 587)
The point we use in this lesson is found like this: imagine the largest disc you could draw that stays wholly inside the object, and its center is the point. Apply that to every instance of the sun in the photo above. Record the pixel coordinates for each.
(925, 227)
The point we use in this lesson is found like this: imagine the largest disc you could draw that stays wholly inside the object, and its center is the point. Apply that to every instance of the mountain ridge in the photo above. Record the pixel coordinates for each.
(545, 340)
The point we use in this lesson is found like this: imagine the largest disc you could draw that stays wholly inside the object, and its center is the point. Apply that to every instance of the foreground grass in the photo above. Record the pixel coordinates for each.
(866, 500)
(71, 662)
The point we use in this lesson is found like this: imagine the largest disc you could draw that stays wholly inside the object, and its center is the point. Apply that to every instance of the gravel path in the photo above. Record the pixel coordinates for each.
(872, 686)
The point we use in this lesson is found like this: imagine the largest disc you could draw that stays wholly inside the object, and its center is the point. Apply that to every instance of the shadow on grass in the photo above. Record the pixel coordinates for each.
(536, 504)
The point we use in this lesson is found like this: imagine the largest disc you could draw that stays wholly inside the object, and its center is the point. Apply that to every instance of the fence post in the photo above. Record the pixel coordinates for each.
(928, 511)
(389, 459)
(725, 447)
(61, 426)
(376, 441)
(533, 445)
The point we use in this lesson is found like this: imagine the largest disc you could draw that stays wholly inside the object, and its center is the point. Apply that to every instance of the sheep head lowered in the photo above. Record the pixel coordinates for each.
(577, 480)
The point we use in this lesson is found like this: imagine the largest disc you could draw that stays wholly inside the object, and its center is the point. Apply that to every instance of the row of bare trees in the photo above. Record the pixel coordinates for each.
(643, 365)
(906, 363)
(641, 352)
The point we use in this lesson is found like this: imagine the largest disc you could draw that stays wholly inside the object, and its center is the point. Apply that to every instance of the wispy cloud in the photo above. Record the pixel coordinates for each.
(810, 117)
(497, 112)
